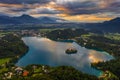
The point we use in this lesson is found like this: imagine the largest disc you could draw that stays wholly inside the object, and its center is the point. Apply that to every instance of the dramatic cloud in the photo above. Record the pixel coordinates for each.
(67, 9)
(78, 7)
(24, 1)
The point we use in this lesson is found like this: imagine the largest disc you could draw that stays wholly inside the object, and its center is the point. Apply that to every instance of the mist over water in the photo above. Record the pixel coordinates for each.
(52, 53)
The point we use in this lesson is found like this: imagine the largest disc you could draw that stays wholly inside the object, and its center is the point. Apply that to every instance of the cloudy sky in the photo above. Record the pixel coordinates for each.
(74, 10)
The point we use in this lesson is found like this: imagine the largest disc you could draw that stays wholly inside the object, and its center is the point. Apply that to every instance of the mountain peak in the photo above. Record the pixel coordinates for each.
(25, 16)
(117, 19)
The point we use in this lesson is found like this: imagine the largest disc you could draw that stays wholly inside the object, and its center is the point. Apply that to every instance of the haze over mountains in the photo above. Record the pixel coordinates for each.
(107, 26)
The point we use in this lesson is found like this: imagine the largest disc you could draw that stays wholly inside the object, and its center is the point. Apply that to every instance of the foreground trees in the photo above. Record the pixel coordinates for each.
(54, 73)
(11, 45)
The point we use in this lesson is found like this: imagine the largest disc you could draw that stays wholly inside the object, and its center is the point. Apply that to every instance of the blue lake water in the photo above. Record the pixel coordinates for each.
(47, 52)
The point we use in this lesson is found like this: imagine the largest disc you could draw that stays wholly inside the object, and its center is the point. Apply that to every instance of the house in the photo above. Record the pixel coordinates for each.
(18, 70)
(25, 73)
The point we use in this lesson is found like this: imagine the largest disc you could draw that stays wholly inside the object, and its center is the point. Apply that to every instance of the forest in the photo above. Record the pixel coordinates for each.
(11, 45)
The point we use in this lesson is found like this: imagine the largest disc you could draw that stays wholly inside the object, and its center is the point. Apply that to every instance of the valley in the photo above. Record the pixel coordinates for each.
(59, 39)
(82, 37)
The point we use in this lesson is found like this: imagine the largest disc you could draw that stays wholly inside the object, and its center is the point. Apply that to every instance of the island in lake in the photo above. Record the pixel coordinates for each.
(71, 51)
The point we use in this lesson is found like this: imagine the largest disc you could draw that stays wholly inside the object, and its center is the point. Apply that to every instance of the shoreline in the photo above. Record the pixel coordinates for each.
(78, 44)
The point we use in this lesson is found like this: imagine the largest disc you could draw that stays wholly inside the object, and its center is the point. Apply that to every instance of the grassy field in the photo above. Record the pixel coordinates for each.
(4, 60)
(4, 33)
(114, 36)
(108, 75)
(49, 30)
(3, 70)
(87, 35)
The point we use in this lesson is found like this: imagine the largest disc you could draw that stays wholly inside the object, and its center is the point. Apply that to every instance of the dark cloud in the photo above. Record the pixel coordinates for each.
(74, 5)
(78, 7)
(66, 7)
(19, 9)
(115, 7)
(47, 11)
(24, 1)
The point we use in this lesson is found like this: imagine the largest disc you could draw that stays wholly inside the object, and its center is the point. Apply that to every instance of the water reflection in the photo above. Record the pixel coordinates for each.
(48, 52)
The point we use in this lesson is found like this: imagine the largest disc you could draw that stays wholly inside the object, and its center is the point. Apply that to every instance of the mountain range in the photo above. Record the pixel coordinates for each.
(29, 19)
(107, 26)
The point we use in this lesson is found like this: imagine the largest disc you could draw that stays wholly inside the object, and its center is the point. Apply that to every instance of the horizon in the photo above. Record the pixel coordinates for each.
(58, 18)
(71, 10)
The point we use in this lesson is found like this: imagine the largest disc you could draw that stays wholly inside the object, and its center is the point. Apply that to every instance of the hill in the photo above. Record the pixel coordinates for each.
(107, 26)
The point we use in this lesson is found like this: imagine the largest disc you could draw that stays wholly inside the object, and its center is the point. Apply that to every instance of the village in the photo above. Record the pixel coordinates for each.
(31, 70)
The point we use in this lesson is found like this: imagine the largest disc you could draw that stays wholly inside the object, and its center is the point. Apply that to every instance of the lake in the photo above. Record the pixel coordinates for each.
(47, 52)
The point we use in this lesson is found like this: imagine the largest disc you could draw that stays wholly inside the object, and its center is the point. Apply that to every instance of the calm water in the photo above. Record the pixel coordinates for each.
(48, 52)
